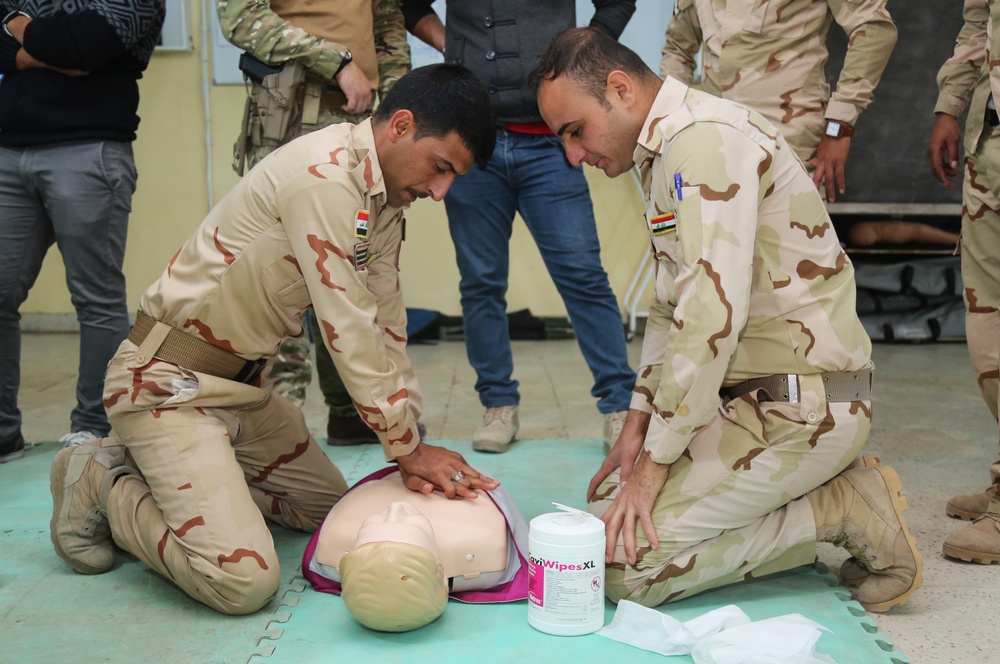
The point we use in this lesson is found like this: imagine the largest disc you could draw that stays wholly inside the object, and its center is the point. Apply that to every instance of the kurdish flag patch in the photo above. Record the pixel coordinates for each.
(663, 224)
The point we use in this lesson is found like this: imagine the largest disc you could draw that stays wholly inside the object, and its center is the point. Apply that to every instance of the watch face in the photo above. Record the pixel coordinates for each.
(833, 129)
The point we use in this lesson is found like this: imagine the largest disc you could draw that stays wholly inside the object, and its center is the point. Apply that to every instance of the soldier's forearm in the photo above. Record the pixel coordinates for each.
(864, 63)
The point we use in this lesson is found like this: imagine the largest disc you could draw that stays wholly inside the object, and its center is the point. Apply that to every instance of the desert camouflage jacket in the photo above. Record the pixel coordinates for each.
(750, 278)
(770, 55)
(967, 74)
(308, 226)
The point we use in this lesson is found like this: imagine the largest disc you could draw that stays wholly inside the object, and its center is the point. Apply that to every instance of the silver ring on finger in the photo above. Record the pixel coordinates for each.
(459, 476)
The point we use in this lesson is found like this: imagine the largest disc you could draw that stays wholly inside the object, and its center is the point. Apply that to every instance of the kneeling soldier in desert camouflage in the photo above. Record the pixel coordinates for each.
(203, 457)
(753, 397)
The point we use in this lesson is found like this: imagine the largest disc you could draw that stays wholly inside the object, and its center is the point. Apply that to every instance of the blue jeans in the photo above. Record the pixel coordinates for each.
(77, 195)
(529, 174)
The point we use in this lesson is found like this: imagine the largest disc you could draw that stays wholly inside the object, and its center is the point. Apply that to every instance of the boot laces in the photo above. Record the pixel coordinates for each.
(501, 414)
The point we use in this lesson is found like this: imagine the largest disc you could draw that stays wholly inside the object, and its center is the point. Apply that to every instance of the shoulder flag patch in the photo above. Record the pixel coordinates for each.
(361, 224)
(663, 224)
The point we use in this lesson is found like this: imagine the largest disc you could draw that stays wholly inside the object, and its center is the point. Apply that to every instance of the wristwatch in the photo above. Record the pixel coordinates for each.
(6, 19)
(345, 59)
(838, 129)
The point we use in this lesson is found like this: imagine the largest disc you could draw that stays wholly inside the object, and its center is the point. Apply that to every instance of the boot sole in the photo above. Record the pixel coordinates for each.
(492, 447)
(956, 513)
(895, 487)
(57, 486)
(971, 556)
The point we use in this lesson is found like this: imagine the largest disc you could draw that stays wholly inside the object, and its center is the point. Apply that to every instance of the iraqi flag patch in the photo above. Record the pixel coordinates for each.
(663, 224)
(361, 224)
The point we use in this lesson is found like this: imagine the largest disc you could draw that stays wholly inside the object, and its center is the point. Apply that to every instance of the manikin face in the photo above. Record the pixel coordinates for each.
(421, 168)
(400, 522)
(591, 133)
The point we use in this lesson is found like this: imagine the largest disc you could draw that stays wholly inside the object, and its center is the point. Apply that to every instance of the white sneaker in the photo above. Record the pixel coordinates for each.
(613, 424)
(77, 438)
(497, 431)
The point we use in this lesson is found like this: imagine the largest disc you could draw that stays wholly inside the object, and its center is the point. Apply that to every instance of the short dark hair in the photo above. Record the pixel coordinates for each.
(445, 98)
(587, 56)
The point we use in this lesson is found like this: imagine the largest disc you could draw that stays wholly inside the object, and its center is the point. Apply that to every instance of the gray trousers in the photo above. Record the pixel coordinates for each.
(77, 195)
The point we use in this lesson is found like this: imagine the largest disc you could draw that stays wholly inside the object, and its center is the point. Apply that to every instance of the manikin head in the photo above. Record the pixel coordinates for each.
(392, 580)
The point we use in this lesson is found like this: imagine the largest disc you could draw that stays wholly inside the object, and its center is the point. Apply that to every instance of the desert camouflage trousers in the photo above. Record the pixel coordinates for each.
(733, 506)
(218, 461)
(291, 371)
(981, 275)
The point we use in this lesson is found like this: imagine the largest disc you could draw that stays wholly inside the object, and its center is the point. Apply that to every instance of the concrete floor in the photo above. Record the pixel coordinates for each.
(930, 424)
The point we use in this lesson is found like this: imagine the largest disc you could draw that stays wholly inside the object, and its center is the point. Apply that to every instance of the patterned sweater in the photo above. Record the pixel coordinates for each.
(111, 40)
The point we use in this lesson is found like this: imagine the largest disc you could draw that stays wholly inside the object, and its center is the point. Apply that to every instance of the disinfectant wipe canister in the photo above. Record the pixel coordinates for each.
(566, 573)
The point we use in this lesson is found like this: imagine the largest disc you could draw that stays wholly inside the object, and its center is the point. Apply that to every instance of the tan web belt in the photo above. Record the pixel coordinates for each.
(839, 385)
(194, 354)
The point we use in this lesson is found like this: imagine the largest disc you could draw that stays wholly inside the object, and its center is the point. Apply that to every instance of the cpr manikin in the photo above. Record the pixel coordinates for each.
(396, 555)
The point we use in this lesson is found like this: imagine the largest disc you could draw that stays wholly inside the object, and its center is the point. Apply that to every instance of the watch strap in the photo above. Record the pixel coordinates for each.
(345, 59)
(843, 129)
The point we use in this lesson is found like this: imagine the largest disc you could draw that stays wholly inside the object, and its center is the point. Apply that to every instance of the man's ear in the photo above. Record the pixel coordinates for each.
(621, 89)
(400, 125)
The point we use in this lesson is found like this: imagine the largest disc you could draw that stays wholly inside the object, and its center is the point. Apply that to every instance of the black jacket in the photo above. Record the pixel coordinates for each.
(112, 40)
(501, 41)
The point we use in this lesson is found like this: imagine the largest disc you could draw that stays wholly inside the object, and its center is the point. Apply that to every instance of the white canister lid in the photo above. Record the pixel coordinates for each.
(566, 528)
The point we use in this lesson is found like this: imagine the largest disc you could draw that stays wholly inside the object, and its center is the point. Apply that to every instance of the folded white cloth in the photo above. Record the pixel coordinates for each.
(723, 636)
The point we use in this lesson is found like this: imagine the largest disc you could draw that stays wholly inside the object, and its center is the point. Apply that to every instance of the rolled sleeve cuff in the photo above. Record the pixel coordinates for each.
(662, 443)
(640, 402)
(642, 395)
(842, 112)
(950, 104)
(395, 448)
(326, 65)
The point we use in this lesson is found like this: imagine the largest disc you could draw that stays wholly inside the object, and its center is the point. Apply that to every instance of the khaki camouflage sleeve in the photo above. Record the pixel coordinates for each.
(391, 47)
(957, 77)
(871, 36)
(253, 27)
(716, 216)
(345, 305)
(385, 284)
(683, 41)
(654, 343)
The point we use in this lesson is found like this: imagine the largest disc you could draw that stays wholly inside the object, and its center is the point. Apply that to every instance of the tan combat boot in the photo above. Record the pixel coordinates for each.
(978, 543)
(861, 510)
(969, 506)
(871, 461)
(80, 480)
(852, 572)
(497, 431)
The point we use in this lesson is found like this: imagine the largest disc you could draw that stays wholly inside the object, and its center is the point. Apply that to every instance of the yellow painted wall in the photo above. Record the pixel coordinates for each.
(172, 198)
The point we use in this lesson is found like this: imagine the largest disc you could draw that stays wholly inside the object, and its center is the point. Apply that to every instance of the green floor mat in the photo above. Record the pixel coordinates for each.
(50, 614)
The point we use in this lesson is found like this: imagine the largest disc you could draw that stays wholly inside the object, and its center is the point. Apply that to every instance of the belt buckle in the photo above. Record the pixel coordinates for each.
(251, 369)
(793, 388)
(258, 367)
